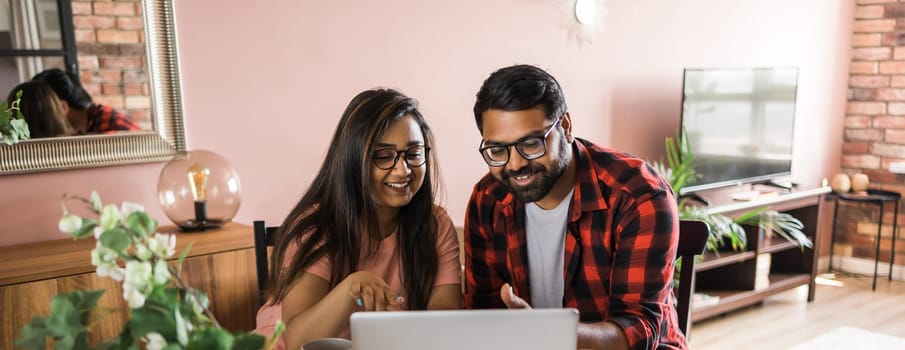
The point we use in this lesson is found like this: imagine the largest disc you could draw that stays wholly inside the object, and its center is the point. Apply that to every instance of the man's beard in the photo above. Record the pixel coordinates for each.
(541, 187)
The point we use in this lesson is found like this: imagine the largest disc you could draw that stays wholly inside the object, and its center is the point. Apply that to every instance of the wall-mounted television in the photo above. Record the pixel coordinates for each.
(739, 124)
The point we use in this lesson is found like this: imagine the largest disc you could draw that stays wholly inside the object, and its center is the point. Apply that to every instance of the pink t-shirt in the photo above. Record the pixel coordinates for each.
(386, 264)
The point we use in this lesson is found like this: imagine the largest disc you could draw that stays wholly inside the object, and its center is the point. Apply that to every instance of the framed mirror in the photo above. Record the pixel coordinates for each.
(163, 133)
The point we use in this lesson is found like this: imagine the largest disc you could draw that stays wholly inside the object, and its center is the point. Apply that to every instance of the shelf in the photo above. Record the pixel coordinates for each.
(733, 299)
(711, 261)
(776, 244)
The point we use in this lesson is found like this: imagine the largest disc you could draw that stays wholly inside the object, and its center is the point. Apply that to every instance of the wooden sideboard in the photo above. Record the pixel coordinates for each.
(732, 276)
(221, 263)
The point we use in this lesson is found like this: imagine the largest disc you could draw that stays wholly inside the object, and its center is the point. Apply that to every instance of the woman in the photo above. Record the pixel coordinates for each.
(42, 109)
(367, 235)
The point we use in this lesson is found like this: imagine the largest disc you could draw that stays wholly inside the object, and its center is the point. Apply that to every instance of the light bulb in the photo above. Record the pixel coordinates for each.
(198, 175)
(585, 11)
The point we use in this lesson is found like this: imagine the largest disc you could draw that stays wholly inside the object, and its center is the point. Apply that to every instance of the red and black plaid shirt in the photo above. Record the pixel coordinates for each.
(620, 247)
(105, 119)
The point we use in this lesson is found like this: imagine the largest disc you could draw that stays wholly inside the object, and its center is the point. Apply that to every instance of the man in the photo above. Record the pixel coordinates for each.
(83, 114)
(562, 222)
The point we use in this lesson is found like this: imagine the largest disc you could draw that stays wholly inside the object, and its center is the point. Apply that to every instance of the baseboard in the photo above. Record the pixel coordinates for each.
(860, 266)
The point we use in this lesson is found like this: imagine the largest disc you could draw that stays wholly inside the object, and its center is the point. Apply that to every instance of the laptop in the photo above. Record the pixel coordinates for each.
(532, 329)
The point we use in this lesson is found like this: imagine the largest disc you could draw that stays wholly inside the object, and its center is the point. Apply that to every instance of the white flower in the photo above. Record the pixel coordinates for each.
(142, 252)
(137, 276)
(110, 217)
(163, 245)
(155, 341)
(98, 231)
(161, 273)
(134, 298)
(128, 208)
(70, 223)
(110, 270)
(101, 254)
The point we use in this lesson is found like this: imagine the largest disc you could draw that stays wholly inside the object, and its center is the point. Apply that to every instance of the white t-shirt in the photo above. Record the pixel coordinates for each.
(546, 234)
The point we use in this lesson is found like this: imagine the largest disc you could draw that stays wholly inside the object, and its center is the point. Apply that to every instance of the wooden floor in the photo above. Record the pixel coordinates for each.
(787, 319)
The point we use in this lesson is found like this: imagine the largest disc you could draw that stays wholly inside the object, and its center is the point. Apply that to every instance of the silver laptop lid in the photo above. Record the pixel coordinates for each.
(535, 329)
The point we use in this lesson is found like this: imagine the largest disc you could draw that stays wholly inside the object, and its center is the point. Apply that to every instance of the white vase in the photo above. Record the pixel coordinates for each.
(840, 183)
(860, 182)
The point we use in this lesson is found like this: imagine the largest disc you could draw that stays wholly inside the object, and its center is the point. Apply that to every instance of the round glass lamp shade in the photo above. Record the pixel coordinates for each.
(198, 190)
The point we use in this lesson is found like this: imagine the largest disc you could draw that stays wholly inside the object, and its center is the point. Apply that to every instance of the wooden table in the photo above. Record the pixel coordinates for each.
(220, 263)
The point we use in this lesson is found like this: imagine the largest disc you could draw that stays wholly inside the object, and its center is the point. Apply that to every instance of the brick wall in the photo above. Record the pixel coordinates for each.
(874, 124)
(109, 35)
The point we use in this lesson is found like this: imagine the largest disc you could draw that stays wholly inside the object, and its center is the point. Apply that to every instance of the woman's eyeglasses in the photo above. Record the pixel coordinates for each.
(415, 156)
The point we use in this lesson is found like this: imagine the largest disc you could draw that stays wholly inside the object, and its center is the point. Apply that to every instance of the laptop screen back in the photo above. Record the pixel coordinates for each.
(536, 329)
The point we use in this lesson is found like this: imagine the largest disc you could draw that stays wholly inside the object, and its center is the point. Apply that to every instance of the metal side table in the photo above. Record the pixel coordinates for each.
(880, 198)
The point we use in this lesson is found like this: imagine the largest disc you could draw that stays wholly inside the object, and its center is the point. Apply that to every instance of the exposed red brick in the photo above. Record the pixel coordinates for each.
(894, 11)
(853, 148)
(861, 161)
(81, 8)
(866, 40)
(134, 76)
(115, 9)
(857, 122)
(863, 67)
(117, 102)
(883, 122)
(111, 75)
(895, 136)
(881, 94)
(861, 25)
(131, 23)
(85, 36)
(862, 94)
(124, 62)
(133, 89)
(868, 81)
(118, 36)
(897, 81)
(92, 89)
(863, 135)
(888, 150)
(867, 12)
(88, 62)
(104, 22)
(871, 53)
(111, 89)
(883, 176)
(866, 108)
(892, 67)
(137, 49)
(895, 108)
(98, 49)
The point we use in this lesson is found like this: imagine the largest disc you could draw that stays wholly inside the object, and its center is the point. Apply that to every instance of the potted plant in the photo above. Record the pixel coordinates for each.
(724, 231)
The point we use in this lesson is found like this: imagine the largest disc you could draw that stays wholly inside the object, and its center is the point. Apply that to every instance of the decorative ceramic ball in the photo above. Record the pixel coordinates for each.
(199, 190)
(840, 183)
(860, 182)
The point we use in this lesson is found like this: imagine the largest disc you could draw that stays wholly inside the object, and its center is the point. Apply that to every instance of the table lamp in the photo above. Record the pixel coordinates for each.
(199, 190)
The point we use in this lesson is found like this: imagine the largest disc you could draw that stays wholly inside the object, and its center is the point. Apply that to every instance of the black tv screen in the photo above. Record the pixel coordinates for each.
(739, 124)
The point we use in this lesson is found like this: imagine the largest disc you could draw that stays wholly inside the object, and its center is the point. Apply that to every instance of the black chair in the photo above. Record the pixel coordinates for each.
(263, 240)
(692, 240)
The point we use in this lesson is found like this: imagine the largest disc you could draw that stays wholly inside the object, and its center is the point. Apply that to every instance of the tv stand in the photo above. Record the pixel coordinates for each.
(786, 185)
(695, 197)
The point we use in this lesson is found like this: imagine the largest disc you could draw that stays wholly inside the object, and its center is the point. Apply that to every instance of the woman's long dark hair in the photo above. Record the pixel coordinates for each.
(332, 216)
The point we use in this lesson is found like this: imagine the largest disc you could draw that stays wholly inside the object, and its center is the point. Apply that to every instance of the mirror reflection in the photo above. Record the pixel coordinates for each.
(90, 53)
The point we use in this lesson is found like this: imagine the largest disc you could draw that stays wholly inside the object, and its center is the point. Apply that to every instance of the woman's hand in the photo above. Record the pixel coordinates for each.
(371, 293)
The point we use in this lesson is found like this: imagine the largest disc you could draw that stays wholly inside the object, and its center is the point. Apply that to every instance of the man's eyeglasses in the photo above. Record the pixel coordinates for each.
(415, 156)
(530, 148)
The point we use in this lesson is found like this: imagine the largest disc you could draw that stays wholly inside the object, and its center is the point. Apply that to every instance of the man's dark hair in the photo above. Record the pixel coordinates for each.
(67, 87)
(518, 88)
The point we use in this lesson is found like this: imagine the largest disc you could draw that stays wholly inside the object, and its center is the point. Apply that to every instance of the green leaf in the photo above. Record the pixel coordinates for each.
(185, 253)
(64, 320)
(109, 217)
(153, 317)
(86, 230)
(116, 239)
(95, 202)
(211, 338)
(141, 223)
(248, 341)
(182, 332)
(34, 334)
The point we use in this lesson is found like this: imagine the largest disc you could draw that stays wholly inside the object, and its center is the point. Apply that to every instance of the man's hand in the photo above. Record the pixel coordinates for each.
(511, 300)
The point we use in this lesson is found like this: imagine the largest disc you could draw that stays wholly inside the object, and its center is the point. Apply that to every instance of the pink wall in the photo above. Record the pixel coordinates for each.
(264, 85)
